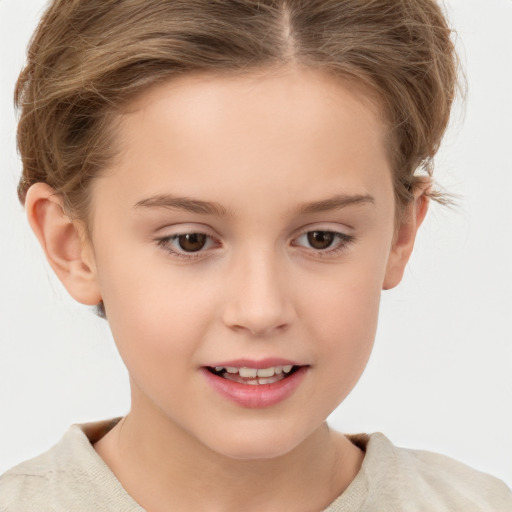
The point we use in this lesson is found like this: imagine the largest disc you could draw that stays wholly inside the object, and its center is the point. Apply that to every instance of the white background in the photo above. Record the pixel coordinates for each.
(440, 377)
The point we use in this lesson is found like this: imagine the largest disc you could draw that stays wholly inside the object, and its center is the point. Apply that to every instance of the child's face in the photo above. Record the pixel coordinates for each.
(266, 171)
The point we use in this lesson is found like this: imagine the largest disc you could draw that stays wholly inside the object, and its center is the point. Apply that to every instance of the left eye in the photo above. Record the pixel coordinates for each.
(322, 240)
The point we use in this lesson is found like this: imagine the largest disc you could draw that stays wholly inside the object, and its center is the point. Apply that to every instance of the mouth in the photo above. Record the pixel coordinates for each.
(254, 376)
(252, 384)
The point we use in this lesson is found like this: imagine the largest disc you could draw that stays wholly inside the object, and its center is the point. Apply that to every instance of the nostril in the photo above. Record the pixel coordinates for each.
(259, 305)
(260, 331)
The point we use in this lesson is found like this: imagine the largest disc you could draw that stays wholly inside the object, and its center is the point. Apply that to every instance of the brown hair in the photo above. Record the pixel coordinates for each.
(88, 57)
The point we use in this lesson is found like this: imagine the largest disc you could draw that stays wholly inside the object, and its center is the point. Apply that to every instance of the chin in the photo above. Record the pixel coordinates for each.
(255, 452)
(257, 444)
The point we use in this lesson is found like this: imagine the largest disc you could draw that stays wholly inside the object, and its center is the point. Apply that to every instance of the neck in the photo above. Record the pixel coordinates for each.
(158, 464)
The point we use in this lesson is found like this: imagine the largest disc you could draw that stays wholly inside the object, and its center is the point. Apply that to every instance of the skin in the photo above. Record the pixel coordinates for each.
(260, 147)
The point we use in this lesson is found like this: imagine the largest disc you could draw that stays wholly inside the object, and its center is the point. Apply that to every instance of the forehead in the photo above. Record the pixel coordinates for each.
(259, 97)
(294, 128)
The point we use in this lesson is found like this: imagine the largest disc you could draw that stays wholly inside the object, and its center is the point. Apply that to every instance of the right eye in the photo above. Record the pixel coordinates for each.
(186, 244)
(191, 242)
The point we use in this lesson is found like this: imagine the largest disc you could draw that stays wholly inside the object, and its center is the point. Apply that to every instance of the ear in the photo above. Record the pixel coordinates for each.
(63, 241)
(405, 236)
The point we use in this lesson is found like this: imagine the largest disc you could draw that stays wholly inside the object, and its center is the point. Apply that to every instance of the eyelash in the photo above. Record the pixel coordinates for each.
(340, 243)
(343, 242)
(165, 244)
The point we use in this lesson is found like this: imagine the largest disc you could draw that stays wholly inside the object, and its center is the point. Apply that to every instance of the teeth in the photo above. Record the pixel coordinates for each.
(254, 382)
(267, 381)
(248, 372)
(251, 373)
(266, 372)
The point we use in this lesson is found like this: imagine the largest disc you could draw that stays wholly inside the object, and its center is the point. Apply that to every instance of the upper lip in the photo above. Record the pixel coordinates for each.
(252, 363)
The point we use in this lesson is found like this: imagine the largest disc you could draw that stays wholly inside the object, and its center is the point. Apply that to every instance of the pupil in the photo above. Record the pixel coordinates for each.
(320, 239)
(192, 242)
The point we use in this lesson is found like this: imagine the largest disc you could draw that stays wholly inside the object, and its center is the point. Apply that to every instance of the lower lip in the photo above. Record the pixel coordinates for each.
(256, 396)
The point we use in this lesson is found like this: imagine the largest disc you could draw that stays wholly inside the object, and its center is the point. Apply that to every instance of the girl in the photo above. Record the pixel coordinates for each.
(231, 184)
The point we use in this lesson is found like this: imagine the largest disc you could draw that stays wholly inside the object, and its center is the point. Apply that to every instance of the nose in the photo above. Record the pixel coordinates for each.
(258, 299)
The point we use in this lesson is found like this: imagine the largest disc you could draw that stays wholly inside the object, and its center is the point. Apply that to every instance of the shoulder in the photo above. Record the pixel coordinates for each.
(24, 485)
(417, 480)
(69, 477)
(451, 483)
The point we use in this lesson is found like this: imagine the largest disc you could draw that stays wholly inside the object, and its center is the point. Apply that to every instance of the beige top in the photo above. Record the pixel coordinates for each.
(71, 477)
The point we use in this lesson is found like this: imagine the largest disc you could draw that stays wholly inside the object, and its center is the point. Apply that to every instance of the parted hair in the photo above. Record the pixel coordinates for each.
(88, 58)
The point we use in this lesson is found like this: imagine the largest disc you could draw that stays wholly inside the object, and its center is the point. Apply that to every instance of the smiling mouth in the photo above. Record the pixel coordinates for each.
(254, 376)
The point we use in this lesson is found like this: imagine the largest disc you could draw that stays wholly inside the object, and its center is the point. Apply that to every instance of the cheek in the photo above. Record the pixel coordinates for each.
(345, 298)
(346, 322)
(156, 314)
(342, 316)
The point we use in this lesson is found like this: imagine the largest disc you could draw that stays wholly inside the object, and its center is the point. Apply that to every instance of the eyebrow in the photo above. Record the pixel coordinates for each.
(212, 208)
(183, 203)
(335, 203)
